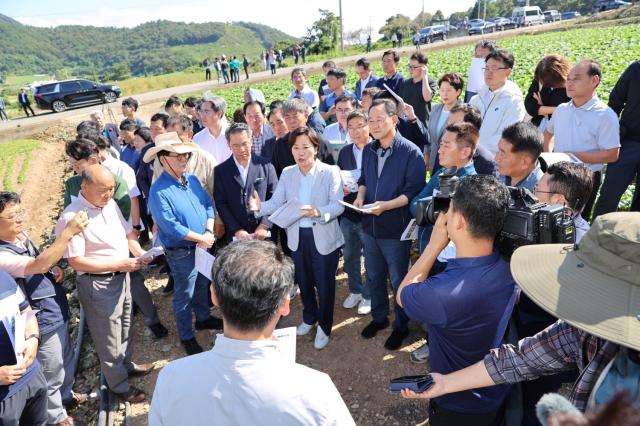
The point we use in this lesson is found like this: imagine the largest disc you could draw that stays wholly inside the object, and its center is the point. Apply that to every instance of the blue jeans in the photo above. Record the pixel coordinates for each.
(352, 252)
(382, 258)
(190, 290)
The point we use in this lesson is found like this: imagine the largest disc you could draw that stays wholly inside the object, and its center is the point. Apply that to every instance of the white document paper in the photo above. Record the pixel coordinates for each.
(398, 98)
(350, 179)
(364, 209)
(152, 252)
(410, 232)
(288, 214)
(287, 339)
(204, 262)
(475, 79)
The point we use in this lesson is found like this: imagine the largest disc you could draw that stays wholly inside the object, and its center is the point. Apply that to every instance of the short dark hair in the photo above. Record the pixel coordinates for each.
(486, 44)
(472, 114)
(574, 181)
(371, 91)
(328, 64)
(304, 131)
(160, 116)
(503, 56)
(467, 136)
(483, 201)
(192, 102)
(346, 98)
(454, 79)
(101, 142)
(8, 199)
(87, 126)
(357, 114)
(593, 67)
(524, 137)
(390, 106)
(419, 56)
(131, 103)
(338, 73)
(263, 108)
(276, 104)
(181, 120)
(173, 100)
(144, 133)
(81, 149)
(364, 63)
(394, 55)
(249, 298)
(237, 128)
(128, 125)
(238, 116)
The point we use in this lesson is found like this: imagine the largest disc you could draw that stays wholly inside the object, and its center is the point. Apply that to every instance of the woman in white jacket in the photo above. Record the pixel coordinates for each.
(314, 237)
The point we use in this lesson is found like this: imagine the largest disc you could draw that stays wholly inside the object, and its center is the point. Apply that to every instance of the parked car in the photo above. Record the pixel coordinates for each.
(432, 33)
(480, 26)
(527, 15)
(502, 23)
(60, 95)
(552, 16)
(611, 5)
(570, 15)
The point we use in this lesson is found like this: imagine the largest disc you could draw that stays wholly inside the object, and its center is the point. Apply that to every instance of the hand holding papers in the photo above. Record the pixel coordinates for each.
(397, 97)
(151, 253)
(204, 262)
(364, 209)
(350, 179)
(287, 214)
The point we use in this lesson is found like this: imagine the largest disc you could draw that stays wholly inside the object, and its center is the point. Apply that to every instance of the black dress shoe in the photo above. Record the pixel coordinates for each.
(141, 370)
(159, 330)
(211, 323)
(191, 346)
(133, 395)
(373, 327)
(394, 341)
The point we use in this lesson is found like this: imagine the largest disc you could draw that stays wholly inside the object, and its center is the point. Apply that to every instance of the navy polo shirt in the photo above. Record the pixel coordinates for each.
(394, 82)
(458, 335)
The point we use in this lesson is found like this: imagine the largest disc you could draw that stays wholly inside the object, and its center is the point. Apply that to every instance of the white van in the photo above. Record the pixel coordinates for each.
(527, 15)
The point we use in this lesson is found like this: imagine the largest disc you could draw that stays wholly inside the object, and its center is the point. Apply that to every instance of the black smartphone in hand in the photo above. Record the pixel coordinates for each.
(418, 384)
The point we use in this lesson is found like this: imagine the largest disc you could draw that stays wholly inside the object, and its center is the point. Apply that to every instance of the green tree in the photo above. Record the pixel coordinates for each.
(323, 36)
(122, 71)
(401, 23)
(422, 20)
(438, 16)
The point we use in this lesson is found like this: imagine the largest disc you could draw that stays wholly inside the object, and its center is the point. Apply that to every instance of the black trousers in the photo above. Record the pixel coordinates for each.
(246, 72)
(438, 416)
(28, 406)
(618, 177)
(26, 107)
(207, 74)
(586, 213)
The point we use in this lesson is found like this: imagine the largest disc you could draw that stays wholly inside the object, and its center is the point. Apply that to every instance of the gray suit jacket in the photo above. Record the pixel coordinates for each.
(327, 190)
(434, 135)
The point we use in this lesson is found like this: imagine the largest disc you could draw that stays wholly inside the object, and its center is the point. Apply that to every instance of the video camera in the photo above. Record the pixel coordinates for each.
(527, 221)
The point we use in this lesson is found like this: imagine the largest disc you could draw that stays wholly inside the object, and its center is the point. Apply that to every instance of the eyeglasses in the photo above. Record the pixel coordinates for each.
(356, 129)
(413, 67)
(186, 155)
(20, 214)
(494, 69)
(538, 191)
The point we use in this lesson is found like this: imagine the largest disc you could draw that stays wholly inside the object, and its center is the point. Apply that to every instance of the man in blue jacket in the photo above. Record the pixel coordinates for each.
(393, 172)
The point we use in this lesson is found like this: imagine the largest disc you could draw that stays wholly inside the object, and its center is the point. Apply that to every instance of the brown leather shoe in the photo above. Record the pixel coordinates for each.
(133, 395)
(141, 369)
(70, 421)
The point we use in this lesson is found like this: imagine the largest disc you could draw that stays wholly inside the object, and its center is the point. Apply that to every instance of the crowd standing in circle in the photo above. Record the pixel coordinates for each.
(289, 186)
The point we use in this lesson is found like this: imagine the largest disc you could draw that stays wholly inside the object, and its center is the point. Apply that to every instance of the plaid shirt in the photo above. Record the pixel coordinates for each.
(560, 347)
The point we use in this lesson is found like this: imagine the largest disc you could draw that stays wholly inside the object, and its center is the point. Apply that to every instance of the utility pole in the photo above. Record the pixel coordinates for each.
(484, 15)
(341, 27)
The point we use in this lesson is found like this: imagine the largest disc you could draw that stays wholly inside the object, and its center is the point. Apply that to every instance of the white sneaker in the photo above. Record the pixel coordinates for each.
(321, 339)
(303, 329)
(352, 301)
(365, 307)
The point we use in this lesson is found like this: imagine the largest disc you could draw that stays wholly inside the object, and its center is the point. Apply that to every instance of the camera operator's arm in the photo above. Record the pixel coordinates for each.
(420, 270)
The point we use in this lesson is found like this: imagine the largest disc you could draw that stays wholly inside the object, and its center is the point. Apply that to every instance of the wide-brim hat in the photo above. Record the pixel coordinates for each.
(593, 285)
(168, 142)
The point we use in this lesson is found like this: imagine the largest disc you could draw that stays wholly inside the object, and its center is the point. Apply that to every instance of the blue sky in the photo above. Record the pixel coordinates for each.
(277, 13)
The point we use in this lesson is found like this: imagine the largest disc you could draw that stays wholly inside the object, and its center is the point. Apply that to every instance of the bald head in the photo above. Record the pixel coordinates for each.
(98, 185)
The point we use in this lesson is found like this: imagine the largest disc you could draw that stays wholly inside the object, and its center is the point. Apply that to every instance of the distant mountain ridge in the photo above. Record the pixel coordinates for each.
(151, 48)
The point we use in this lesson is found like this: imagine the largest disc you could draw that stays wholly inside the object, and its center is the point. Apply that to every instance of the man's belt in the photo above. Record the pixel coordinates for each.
(107, 274)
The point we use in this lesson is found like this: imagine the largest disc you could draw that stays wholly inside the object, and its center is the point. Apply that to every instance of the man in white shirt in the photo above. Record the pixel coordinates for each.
(249, 377)
(299, 80)
(500, 100)
(585, 126)
(336, 133)
(211, 138)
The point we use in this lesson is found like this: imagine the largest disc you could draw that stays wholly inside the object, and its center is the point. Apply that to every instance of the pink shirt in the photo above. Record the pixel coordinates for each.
(15, 264)
(104, 238)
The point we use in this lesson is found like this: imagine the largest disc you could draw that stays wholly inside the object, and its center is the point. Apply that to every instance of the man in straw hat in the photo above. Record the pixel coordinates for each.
(184, 214)
(594, 288)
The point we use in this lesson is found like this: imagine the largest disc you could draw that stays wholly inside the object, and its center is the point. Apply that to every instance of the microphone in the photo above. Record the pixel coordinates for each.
(553, 403)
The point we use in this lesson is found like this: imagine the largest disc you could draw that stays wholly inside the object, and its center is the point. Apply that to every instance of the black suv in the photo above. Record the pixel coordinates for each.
(430, 34)
(61, 95)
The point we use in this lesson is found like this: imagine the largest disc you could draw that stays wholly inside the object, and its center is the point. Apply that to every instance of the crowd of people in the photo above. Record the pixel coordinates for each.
(290, 186)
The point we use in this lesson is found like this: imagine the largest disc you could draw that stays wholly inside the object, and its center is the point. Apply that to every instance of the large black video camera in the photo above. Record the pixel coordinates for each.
(528, 221)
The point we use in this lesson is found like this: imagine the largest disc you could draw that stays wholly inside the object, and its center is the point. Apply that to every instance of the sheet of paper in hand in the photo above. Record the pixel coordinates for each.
(350, 179)
(287, 214)
(410, 232)
(204, 262)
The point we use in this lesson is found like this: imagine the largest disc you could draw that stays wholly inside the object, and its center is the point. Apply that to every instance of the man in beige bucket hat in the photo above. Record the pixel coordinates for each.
(594, 288)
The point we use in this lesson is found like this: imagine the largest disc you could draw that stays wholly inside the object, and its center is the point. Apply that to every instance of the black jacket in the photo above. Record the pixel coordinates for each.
(625, 99)
(550, 97)
(282, 156)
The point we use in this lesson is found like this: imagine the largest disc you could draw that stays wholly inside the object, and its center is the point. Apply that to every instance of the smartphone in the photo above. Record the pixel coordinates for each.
(418, 384)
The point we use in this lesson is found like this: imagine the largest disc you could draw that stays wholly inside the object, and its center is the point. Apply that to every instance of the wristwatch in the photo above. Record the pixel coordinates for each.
(36, 336)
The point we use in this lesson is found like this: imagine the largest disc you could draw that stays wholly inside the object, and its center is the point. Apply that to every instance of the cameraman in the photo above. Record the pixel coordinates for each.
(479, 278)
(457, 146)
(517, 157)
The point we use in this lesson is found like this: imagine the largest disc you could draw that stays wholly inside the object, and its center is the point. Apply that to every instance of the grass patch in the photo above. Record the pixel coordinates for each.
(9, 152)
